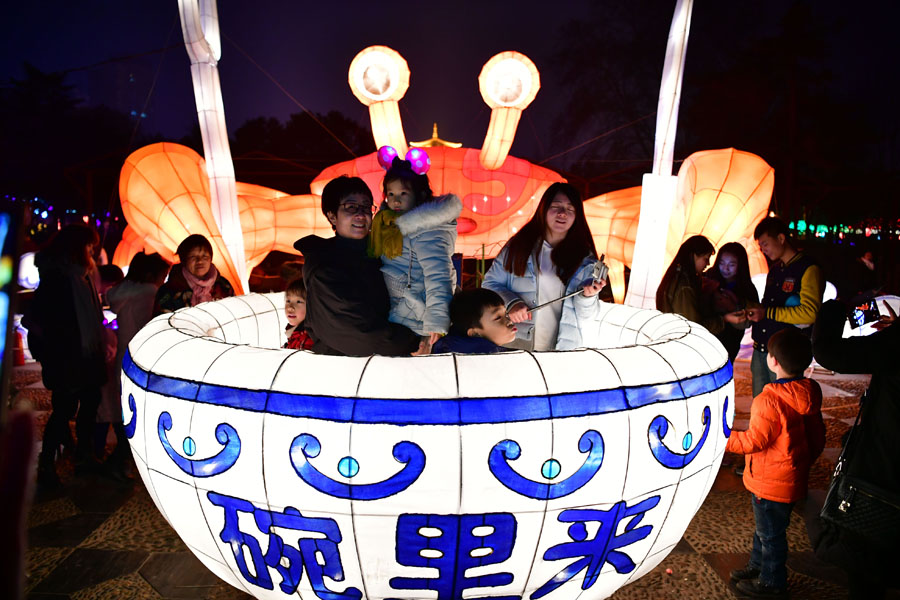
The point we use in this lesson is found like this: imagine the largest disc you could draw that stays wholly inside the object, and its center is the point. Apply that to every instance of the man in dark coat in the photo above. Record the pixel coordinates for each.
(875, 456)
(347, 303)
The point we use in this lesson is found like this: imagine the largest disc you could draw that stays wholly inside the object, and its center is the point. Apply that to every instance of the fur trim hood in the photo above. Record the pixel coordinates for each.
(441, 211)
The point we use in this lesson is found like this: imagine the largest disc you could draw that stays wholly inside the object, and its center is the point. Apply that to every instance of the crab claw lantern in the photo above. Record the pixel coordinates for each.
(555, 475)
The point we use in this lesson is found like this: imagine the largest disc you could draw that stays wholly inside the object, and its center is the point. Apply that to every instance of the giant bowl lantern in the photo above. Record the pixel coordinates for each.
(556, 475)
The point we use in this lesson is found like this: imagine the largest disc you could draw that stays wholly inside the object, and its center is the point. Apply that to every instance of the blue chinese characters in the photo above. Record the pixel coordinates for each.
(453, 544)
(605, 547)
(315, 537)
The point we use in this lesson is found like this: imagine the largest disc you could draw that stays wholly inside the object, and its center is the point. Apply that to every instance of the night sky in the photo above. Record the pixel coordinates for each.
(113, 54)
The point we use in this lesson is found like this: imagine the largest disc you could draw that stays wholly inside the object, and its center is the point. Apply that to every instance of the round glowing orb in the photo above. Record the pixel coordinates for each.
(378, 73)
(509, 80)
(520, 474)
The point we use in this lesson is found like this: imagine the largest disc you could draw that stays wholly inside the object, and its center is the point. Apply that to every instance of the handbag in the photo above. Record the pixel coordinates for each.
(858, 506)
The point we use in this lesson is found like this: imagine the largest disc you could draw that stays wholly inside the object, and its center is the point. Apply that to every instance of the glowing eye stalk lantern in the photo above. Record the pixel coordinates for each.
(379, 77)
(508, 83)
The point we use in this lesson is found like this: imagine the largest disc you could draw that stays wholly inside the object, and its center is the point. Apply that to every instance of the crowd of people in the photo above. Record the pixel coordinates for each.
(385, 284)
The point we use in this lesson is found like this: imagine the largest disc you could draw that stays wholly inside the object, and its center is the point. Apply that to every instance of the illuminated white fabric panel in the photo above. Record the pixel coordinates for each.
(295, 474)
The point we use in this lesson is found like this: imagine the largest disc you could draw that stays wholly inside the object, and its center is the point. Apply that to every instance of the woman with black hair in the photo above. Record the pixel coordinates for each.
(132, 300)
(551, 256)
(681, 292)
(734, 291)
(66, 335)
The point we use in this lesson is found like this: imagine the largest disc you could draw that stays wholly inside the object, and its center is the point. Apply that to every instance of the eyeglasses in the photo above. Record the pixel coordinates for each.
(358, 209)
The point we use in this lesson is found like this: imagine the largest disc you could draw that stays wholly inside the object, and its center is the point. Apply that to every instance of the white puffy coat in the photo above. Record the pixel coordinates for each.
(576, 311)
(421, 280)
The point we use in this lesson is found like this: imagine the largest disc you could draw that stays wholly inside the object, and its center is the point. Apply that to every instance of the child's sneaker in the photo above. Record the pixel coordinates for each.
(753, 588)
(747, 572)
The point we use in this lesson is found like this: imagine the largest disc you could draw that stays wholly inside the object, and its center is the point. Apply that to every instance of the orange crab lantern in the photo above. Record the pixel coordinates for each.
(165, 194)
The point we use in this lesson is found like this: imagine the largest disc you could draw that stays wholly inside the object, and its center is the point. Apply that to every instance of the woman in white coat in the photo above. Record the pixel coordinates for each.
(551, 256)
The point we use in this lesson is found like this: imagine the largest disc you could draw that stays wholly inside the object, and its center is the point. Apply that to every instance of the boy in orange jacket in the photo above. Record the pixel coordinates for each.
(785, 437)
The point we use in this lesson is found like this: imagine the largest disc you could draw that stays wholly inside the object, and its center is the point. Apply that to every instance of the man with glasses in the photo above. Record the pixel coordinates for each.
(347, 305)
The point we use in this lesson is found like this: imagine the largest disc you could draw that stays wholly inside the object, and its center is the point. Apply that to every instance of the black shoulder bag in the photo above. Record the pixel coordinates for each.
(858, 506)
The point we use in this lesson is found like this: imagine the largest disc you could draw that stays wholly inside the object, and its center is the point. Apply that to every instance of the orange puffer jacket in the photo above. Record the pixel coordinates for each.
(785, 437)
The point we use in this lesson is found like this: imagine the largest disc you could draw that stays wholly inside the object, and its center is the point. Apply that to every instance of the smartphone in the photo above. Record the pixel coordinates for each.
(865, 312)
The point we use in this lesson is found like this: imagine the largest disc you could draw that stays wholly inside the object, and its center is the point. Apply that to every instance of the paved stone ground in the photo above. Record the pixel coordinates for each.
(97, 538)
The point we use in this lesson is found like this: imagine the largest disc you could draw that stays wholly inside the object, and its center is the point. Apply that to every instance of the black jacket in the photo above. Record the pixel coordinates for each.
(875, 455)
(54, 333)
(347, 302)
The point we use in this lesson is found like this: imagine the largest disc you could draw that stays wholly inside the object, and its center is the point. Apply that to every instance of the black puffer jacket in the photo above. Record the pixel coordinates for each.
(876, 454)
(347, 302)
(54, 334)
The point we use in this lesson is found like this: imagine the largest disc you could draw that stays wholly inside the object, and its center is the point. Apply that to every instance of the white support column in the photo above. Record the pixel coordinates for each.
(647, 264)
(200, 26)
(659, 187)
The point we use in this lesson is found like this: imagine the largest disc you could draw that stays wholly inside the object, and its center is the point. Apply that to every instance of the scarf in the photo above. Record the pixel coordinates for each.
(385, 238)
(201, 287)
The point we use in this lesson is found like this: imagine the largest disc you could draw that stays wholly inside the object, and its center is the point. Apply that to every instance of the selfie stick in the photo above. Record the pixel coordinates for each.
(598, 272)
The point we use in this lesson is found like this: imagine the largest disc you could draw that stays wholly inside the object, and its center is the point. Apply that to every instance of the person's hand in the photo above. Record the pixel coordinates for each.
(756, 313)
(518, 312)
(424, 348)
(885, 320)
(432, 338)
(594, 287)
(736, 318)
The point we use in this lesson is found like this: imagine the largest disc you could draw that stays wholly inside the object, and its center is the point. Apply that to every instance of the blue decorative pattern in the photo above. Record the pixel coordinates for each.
(591, 443)
(725, 428)
(132, 424)
(674, 460)
(605, 547)
(306, 446)
(221, 462)
(288, 561)
(490, 537)
(456, 411)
